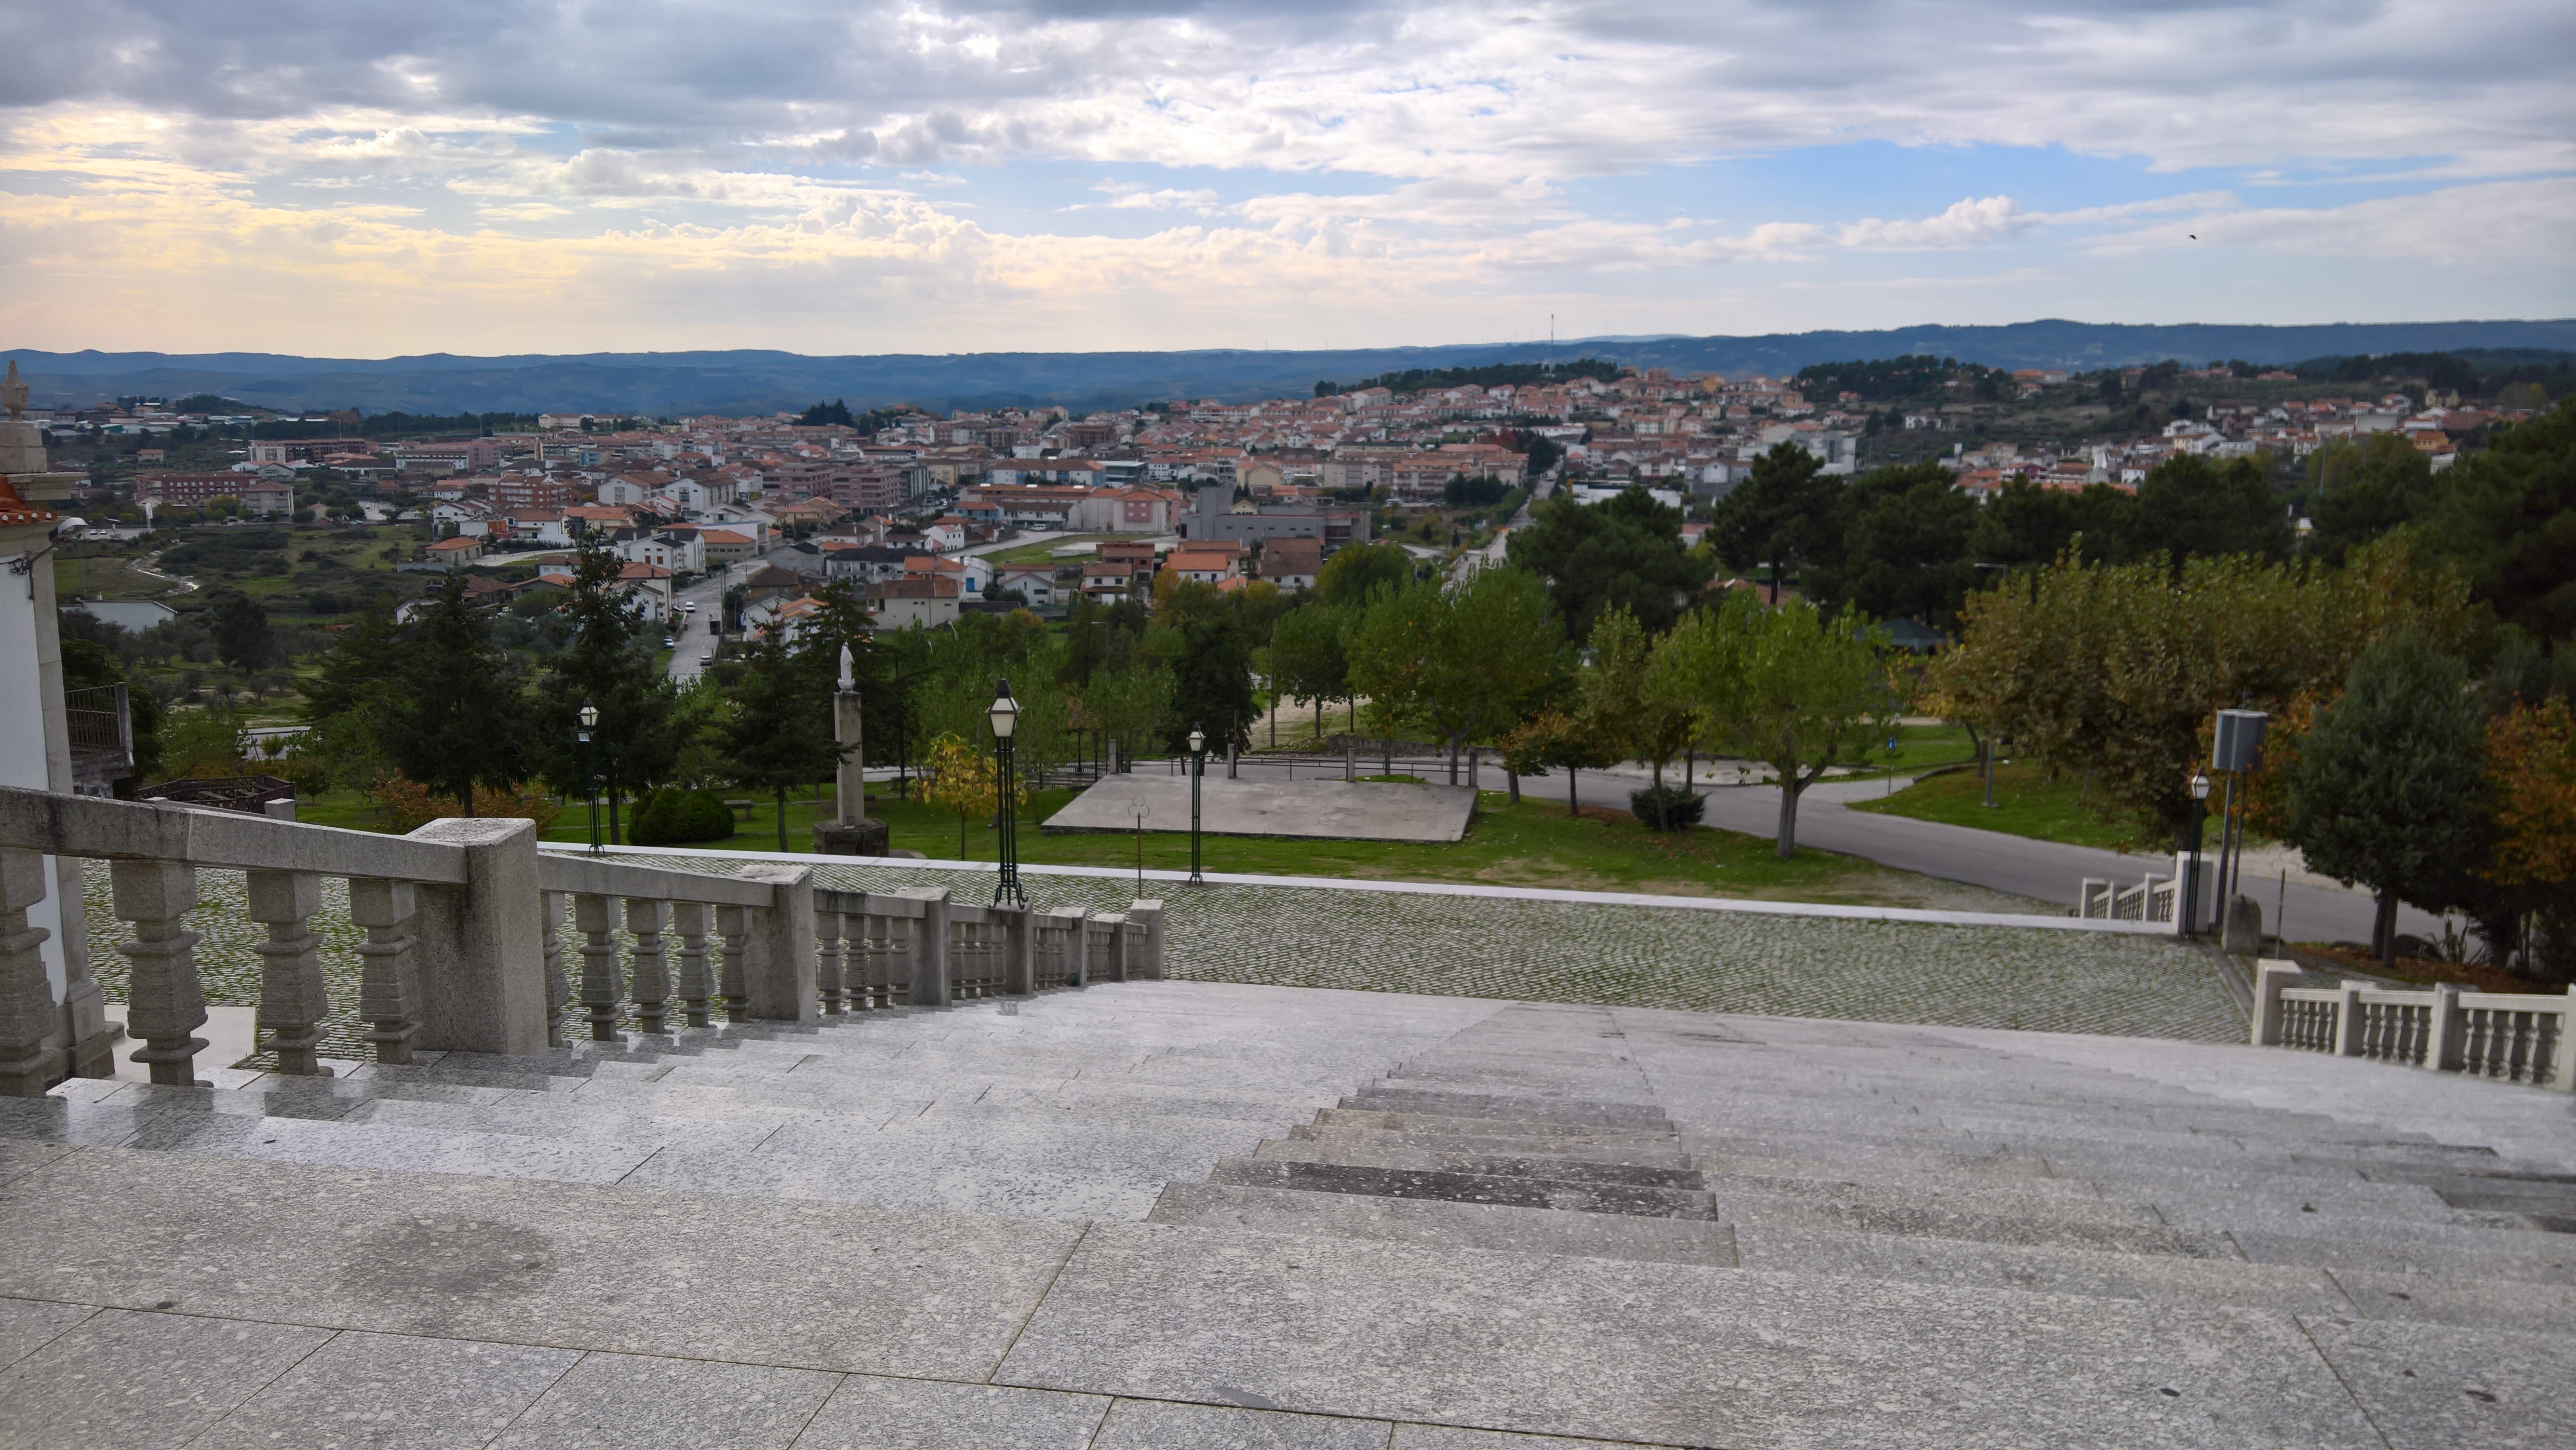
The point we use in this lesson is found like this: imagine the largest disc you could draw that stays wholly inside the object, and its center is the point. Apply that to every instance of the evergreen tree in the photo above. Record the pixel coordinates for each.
(453, 720)
(1627, 551)
(1783, 514)
(607, 662)
(239, 624)
(781, 731)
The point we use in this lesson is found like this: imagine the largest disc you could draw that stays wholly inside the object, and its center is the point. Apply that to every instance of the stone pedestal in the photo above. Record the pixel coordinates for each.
(851, 838)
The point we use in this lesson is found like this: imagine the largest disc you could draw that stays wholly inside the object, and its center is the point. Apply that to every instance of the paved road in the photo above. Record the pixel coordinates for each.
(2042, 870)
(692, 631)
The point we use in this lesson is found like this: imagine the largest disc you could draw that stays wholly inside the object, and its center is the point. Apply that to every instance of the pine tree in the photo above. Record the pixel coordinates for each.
(453, 719)
(781, 732)
(609, 664)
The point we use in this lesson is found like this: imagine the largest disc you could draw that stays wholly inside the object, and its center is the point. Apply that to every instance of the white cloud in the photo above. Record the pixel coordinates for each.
(2513, 221)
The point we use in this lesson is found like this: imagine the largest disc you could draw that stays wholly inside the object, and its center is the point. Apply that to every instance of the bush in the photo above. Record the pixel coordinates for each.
(1669, 808)
(672, 816)
(411, 805)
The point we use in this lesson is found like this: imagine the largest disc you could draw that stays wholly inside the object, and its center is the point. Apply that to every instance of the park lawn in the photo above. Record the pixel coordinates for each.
(2029, 801)
(1042, 551)
(1534, 843)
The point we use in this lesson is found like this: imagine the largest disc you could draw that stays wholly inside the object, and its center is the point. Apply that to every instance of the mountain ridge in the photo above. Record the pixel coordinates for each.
(750, 380)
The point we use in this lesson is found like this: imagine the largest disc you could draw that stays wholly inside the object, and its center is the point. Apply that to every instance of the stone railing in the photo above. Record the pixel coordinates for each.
(465, 949)
(2511, 1036)
(2151, 900)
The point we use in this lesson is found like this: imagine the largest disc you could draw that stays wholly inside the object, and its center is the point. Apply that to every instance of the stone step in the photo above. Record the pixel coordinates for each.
(1914, 1220)
(1446, 1223)
(1523, 1109)
(1562, 1194)
(1570, 1170)
(1387, 1120)
(1782, 1247)
(1658, 1154)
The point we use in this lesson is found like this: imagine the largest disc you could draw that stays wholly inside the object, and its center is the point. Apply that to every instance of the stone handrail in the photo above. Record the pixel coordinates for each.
(464, 950)
(2510, 1036)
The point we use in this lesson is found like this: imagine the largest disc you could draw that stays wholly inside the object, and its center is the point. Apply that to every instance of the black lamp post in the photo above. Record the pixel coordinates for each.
(2190, 907)
(1004, 712)
(590, 767)
(1198, 768)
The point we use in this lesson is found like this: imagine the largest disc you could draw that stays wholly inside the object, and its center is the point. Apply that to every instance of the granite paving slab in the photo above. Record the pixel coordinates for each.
(871, 1413)
(392, 1392)
(2034, 1226)
(2434, 1387)
(824, 1286)
(19, 1156)
(1441, 1222)
(1964, 1263)
(1573, 1170)
(630, 1402)
(1659, 1152)
(2531, 1258)
(1572, 1113)
(80, 1391)
(1450, 1437)
(27, 1325)
(1318, 809)
(1439, 1123)
(2502, 1304)
(392, 1146)
(1664, 1353)
(1162, 1425)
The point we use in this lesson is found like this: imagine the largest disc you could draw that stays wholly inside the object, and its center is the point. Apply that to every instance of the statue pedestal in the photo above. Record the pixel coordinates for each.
(851, 838)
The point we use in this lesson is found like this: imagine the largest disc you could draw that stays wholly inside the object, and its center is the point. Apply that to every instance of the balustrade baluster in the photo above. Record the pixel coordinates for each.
(164, 1003)
(602, 993)
(645, 917)
(827, 959)
(28, 1013)
(689, 920)
(388, 991)
(733, 924)
(292, 1002)
(558, 991)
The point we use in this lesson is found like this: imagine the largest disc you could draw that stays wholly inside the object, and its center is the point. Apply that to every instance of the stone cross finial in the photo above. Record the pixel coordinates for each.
(13, 392)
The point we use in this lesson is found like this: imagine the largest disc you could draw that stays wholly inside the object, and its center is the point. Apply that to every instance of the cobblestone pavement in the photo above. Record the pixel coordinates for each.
(1625, 956)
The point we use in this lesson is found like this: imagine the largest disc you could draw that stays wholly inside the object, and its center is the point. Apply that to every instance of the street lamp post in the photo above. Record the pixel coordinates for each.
(1198, 768)
(590, 767)
(2191, 878)
(1004, 712)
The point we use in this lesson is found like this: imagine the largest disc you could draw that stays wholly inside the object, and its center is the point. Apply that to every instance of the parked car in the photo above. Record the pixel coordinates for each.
(708, 657)
(669, 643)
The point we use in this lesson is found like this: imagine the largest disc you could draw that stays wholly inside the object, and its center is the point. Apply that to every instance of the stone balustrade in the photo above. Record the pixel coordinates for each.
(2511, 1036)
(2151, 900)
(464, 948)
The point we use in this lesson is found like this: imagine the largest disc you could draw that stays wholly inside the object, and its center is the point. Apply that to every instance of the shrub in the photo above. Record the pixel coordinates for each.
(411, 805)
(672, 816)
(1668, 808)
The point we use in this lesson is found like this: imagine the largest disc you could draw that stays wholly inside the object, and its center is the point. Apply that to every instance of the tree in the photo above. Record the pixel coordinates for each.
(2359, 490)
(781, 731)
(1783, 513)
(2508, 521)
(454, 718)
(2531, 778)
(608, 663)
(1629, 698)
(1357, 572)
(2192, 508)
(2389, 787)
(1461, 661)
(1555, 740)
(966, 781)
(1904, 547)
(1625, 551)
(1789, 687)
(239, 624)
(1308, 660)
(1206, 638)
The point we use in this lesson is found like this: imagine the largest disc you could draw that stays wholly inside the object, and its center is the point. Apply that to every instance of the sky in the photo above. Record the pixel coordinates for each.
(361, 179)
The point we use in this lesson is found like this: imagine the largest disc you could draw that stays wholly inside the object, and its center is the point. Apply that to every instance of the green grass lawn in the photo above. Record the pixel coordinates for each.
(2028, 802)
(1042, 550)
(1531, 844)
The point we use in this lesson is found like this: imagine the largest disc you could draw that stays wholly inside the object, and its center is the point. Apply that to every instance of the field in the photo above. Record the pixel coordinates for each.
(2029, 801)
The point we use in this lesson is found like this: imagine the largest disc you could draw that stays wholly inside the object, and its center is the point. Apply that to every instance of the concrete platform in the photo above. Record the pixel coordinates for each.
(1310, 809)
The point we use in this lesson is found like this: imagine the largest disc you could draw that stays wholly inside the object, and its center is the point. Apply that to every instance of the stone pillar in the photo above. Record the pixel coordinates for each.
(930, 948)
(388, 986)
(292, 1002)
(779, 972)
(165, 1005)
(830, 955)
(2348, 1018)
(851, 832)
(733, 924)
(1019, 951)
(1112, 963)
(2242, 933)
(28, 1016)
(689, 919)
(1145, 920)
(2270, 978)
(2442, 1033)
(482, 949)
(645, 917)
(558, 991)
(603, 995)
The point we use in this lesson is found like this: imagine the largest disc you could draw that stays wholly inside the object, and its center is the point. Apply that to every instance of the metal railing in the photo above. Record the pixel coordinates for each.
(100, 722)
(2508, 1036)
(465, 946)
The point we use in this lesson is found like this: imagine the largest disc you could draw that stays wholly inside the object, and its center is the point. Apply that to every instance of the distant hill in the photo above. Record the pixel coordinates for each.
(752, 381)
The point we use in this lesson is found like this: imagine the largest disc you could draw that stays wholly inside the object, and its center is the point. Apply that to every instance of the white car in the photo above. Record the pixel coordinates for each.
(669, 643)
(706, 657)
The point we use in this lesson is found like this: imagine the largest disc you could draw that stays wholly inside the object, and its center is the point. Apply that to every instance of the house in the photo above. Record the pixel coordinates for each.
(581, 518)
(1292, 564)
(947, 535)
(923, 601)
(728, 546)
(1205, 565)
(648, 589)
(1034, 583)
(1114, 581)
(1125, 511)
(456, 552)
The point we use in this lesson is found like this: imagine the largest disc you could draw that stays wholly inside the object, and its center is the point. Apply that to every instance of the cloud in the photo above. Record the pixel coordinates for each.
(2511, 221)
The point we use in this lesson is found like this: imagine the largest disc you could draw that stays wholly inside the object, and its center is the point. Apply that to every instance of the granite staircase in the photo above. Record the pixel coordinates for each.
(1200, 1214)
